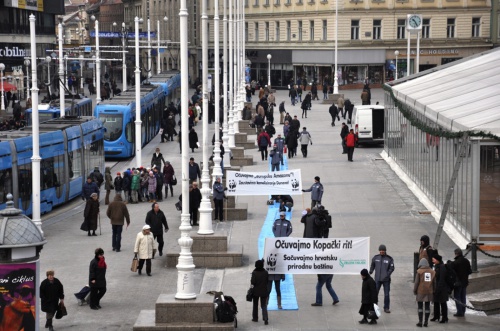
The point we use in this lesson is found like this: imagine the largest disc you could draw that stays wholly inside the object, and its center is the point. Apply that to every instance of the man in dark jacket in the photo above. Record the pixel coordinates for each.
(156, 219)
(334, 113)
(97, 177)
(316, 190)
(88, 188)
(295, 124)
(194, 171)
(383, 265)
(311, 224)
(368, 297)
(194, 202)
(343, 134)
(462, 268)
(117, 213)
(218, 196)
(282, 227)
(276, 158)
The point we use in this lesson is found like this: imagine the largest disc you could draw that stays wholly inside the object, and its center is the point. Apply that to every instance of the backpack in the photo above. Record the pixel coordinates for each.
(263, 140)
(451, 277)
(225, 309)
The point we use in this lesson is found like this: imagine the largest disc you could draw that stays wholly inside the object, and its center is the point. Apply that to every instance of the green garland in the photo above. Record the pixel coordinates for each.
(408, 113)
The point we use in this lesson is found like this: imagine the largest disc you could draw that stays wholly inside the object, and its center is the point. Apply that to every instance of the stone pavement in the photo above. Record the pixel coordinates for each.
(365, 197)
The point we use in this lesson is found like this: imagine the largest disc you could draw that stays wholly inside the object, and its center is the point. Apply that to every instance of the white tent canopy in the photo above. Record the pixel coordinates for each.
(461, 96)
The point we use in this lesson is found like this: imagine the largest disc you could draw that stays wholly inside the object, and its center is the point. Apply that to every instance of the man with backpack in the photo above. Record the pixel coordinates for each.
(462, 269)
(383, 265)
(263, 141)
(97, 177)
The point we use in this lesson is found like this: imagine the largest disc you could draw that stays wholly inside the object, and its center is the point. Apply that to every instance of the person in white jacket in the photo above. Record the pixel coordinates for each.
(145, 248)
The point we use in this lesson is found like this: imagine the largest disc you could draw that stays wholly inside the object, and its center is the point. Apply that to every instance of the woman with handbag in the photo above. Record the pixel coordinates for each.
(51, 293)
(169, 178)
(145, 248)
(259, 281)
(369, 296)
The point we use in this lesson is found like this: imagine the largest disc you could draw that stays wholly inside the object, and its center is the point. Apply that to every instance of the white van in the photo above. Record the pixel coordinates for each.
(368, 124)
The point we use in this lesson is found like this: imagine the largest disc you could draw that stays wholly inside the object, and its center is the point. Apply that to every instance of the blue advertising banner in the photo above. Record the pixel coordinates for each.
(130, 35)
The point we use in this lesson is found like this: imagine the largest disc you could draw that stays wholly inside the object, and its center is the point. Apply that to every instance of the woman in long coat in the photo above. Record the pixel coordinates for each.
(51, 291)
(441, 291)
(369, 296)
(144, 249)
(108, 184)
(91, 213)
(168, 174)
(193, 140)
(259, 281)
(424, 287)
(152, 187)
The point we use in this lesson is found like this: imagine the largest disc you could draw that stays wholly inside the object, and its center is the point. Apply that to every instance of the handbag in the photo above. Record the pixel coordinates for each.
(250, 294)
(178, 205)
(174, 180)
(61, 311)
(135, 264)
(376, 308)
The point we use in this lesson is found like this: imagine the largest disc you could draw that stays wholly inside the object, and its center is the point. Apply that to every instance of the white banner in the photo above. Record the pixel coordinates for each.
(287, 182)
(347, 256)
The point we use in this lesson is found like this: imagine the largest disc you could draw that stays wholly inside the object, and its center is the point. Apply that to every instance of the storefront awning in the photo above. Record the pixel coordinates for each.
(344, 57)
(460, 96)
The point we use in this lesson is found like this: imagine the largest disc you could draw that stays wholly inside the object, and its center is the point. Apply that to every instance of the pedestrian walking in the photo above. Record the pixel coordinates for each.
(194, 202)
(135, 186)
(292, 93)
(311, 224)
(51, 293)
(118, 214)
(97, 279)
(259, 282)
(276, 158)
(264, 141)
(291, 141)
(157, 221)
(127, 185)
(322, 280)
(168, 176)
(281, 228)
(157, 159)
(383, 265)
(108, 184)
(334, 113)
(316, 190)
(144, 249)
(152, 187)
(218, 194)
(368, 297)
(97, 177)
(118, 183)
(305, 139)
(193, 139)
(462, 268)
(194, 171)
(441, 291)
(365, 97)
(350, 142)
(91, 214)
(425, 283)
(340, 106)
(88, 188)
(159, 184)
(282, 112)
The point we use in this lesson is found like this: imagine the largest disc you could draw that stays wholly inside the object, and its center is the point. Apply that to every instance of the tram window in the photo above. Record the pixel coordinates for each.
(113, 125)
(44, 117)
(5, 184)
(129, 131)
(74, 163)
(25, 177)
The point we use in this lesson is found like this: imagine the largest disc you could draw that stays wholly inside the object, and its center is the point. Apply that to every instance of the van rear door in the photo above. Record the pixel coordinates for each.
(378, 124)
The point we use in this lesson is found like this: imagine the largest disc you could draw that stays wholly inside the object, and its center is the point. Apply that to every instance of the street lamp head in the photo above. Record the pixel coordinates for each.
(165, 19)
(123, 25)
(396, 53)
(48, 59)
(80, 57)
(27, 62)
(114, 24)
(92, 18)
(141, 20)
(2, 67)
(269, 56)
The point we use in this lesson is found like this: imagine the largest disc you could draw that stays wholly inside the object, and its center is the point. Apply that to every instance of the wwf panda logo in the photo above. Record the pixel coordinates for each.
(271, 260)
(295, 183)
(232, 184)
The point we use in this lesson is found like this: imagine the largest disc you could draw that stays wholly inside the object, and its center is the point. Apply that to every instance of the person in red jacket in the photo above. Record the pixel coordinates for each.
(350, 142)
(264, 141)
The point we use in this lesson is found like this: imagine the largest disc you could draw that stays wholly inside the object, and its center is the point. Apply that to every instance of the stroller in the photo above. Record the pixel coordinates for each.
(83, 296)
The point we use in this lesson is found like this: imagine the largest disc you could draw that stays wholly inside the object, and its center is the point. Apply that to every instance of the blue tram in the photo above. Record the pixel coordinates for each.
(118, 118)
(170, 82)
(79, 106)
(70, 148)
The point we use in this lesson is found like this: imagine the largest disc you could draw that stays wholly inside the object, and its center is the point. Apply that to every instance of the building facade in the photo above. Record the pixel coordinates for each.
(300, 36)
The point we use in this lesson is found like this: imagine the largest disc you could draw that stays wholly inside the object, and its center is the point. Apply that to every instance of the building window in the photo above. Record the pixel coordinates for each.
(288, 2)
(276, 2)
(256, 3)
(377, 29)
(402, 29)
(277, 26)
(354, 29)
(300, 30)
(288, 31)
(476, 24)
(267, 31)
(246, 30)
(299, 2)
(256, 38)
(450, 28)
(426, 28)
(325, 30)
(311, 30)
(266, 3)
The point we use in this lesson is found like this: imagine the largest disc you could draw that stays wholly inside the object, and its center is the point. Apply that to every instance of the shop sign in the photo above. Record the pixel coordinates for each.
(9, 51)
(433, 52)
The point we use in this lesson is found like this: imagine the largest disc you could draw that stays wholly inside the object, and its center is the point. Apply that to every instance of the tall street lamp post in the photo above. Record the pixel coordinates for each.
(397, 54)
(27, 64)
(97, 61)
(124, 63)
(81, 73)
(2, 68)
(158, 60)
(269, 57)
(138, 121)
(62, 93)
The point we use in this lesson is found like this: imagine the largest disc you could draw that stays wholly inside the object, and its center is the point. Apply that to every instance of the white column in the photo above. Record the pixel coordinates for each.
(396, 53)
(36, 159)
(138, 121)
(27, 63)
(417, 62)
(81, 73)
(231, 76)
(150, 69)
(205, 206)
(242, 63)
(236, 94)
(217, 171)
(336, 78)
(408, 55)
(97, 64)
(62, 92)
(124, 59)
(185, 265)
(225, 131)
(158, 63)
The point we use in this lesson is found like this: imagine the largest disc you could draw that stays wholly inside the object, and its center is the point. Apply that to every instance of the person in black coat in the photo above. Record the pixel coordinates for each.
(193, 140)
(343, 134)
(441, 291)
(463, 269)
(194, 202)
(259, 282)
(156, 219)
(51, 291)
(368, 297)
(97, 279)
(91, 214)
